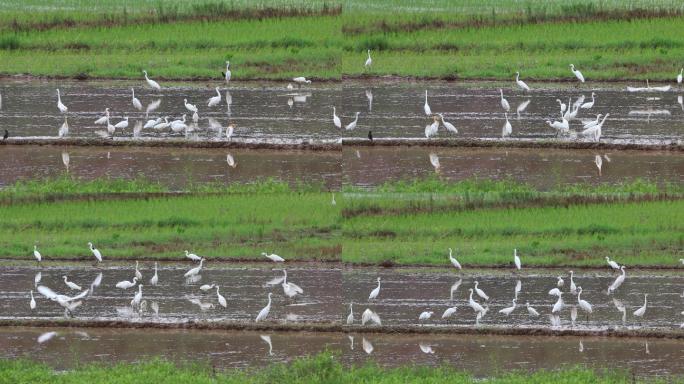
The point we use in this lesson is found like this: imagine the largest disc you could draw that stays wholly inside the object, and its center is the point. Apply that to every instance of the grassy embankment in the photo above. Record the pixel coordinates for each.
(323, 368)
(404, 223)
(458, 39)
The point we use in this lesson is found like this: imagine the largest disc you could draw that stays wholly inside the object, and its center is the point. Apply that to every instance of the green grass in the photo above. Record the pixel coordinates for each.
(322, 368)
(279, 39)
(238, 223)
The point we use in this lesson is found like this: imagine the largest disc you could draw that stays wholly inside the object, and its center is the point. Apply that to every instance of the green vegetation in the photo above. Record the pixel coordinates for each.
(233, 222)
(322, 368)
(279, 39)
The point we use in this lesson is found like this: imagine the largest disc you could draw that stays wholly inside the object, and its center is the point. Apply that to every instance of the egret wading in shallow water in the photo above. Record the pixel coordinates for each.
(188, 106)
(64, 128)
(431, 130)
(290, 289)
(642, 310)
(96, 253)
(577, 73)
(123, 124)
(264, 312)
(137, 271)
(192, 256)
(207, 287)
(521, 83)
(531, 311)
(369, 61)
(449, 312)
(351, 126)
(71, 285)
(32, 303)
(559, 303)
(425, 315)
(216, 100)
(584, 305)
(612, 263)
(350, 317)
(111, 129)
(37, 254)
(453, 260)
(222, 300)
(589, 104)
(62, 108)
(138, 297)
(480, 292)
(301, 80)
(504, 102)
(450, 127)
(507, 129)
(195, 271)
(104, 118)
(474, 304)
(426, 106)
(516, 259)
(151, 123)
(375, 292)
(563, 106)
(594, 131)
(136, 103)
(127, 284)
(560, 281)
(151, 82)
(508, 310)
(336, 120)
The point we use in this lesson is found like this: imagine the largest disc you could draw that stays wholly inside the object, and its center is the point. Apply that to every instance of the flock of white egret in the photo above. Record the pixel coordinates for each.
(369, 316)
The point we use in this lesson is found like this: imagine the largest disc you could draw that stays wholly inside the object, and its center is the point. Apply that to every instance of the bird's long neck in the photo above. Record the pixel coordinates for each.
(471, 295)
(645, 300)
(604, 119)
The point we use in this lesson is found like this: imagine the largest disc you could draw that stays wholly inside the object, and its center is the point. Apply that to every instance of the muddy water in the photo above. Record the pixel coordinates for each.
(176, 168)
(29, 108)
(225, 350)
(405, 293)
(396, 109)
(543, 168)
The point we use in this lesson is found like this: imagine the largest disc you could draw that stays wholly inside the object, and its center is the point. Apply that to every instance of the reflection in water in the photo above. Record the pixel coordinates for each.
(542, 168)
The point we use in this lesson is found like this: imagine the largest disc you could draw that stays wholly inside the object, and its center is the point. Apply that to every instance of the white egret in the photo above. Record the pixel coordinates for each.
(507, 129)
(37, 278)
(621, 308)
(336, 120)
(577, 73)
(227, 74)
(137, 272)
(195, 117)
(290, 289)
(151, 123)
(555, 292)
(155, 279)
(431, 130)
(618, 281)
(301, 80)
(104, 118)
(508, 310)
(531, 311)
(679, 77)
(371, 316)
(136, 103)
(230, 130)
(450, 127)
(351, 126)
(273, 257)
(195, 271)
(561, 127)
(125, 284)
(32, 303)
(563, 106)
(453, 260)
(123, 124)
(449, 312)
(612, 263)
(45, 337)
(559, 304)
(207, 287)
(591, 123)
(192, 256)
(573, 287)
(454, 288)
(138, 296)
(599, 163)
(584, 305)
(516, 259)
(369, 61)
(37, 254)
(521, 83)
(589, 104)
(62, 108)
(594, 131)
(350, 317)
(504, 102)
(264, 312)
(189, 106)
(426, 348)
(216, 100)
(178, 125)
(642, 310)
(426, 106)
(71, 284)
(480, 292)
(426, 315)
(96, 283)
(522, 107)
(68, 302)
(152, 106)
(151, 82)
(111, 129)
(222, 300)
(375, 292)
(163, 125)
(560, 281)
(474, 304)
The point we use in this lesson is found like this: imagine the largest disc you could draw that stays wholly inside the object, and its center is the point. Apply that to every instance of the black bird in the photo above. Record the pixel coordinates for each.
(370, 135)
(6, 135)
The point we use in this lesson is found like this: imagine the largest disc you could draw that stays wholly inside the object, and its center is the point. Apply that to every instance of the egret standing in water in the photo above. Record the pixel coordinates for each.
(507, 129)
(264, 312)
(155, 279)
(216, 100)
(62, 108)
(301, 80)
(369, 61)
(516, 259)
(521, 83)
(351, 126)
(584, 305)
(504, 102)
(531, 311)
(375, 292)
(221, 299)
(96, 252)
(426, 106)
(336, 120)
(450, 127)
(577, 73)
(350, 317)
(453, 260)
(151, 82)
(37, 254)
(641, 311)
(136, 103)
(32, 303)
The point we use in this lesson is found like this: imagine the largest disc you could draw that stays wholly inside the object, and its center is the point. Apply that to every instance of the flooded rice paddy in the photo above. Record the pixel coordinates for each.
(480, 355)
(405, 293)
